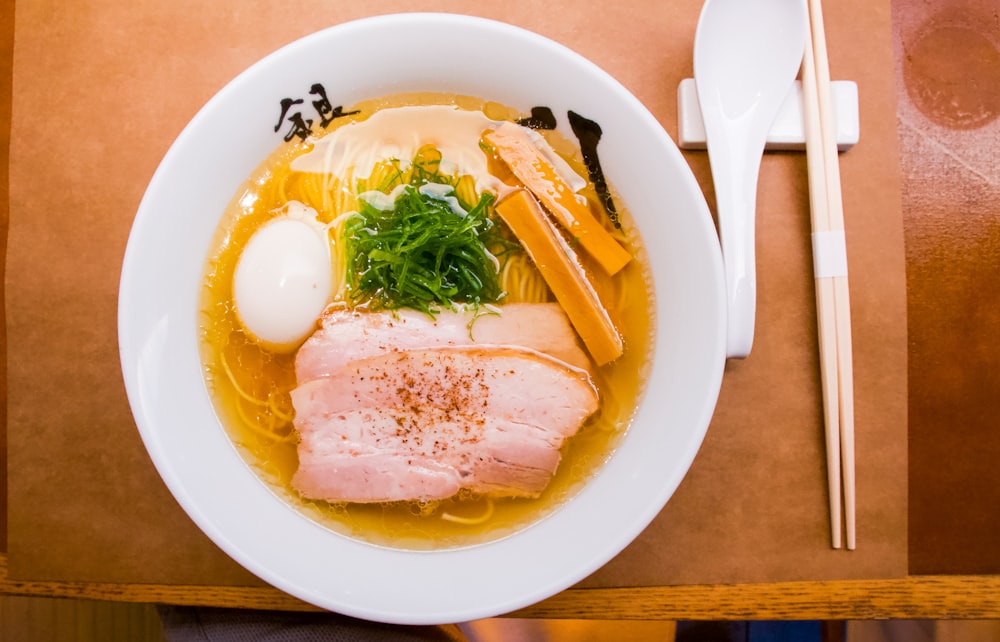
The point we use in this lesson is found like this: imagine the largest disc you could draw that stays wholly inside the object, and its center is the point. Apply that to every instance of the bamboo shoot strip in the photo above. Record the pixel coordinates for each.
(563, 274)
(526, 162)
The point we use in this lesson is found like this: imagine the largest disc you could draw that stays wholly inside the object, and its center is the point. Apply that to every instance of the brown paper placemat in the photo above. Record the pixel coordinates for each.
(102, 89)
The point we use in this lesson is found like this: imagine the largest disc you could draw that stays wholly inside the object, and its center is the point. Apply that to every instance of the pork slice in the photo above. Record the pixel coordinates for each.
(508, 479)
(470, 453)
(372, 477)
(347, 335)
(455, 443)
(435, 386)
(498, 458)
(494, 418)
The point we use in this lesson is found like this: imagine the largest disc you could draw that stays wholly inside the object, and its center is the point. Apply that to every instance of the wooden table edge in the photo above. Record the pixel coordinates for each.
(913, 597)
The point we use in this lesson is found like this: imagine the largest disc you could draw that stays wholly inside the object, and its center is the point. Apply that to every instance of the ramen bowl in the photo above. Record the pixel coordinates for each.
(163, 274)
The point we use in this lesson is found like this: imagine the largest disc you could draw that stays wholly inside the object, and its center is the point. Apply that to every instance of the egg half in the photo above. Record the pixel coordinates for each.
(283, 279)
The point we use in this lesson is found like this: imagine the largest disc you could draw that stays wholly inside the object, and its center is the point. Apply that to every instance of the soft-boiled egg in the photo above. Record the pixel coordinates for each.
(283, 279)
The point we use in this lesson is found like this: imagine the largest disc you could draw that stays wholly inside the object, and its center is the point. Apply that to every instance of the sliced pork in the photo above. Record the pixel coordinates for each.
(346, 335)
(421, 424)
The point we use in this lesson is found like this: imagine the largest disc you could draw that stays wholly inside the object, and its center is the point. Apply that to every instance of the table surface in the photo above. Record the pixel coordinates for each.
(913, 597)
(947, 112)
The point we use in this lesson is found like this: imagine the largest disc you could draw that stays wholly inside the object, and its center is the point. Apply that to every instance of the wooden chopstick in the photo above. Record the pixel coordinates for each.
(832, 292)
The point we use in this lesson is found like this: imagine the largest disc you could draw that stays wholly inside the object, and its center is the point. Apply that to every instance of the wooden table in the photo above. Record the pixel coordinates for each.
(915, 597)
(950, 577)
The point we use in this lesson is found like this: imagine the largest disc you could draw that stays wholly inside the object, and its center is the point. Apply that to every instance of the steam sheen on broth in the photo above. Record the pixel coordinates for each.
(250, 380)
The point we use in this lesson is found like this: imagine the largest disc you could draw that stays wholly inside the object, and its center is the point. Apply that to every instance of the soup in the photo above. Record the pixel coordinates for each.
(320, 183)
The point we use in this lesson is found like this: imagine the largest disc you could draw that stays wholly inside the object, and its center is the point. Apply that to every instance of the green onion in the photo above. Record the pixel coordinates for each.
(422, 253)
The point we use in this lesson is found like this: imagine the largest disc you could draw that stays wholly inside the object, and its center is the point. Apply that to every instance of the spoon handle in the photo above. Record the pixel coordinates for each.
(734, 172)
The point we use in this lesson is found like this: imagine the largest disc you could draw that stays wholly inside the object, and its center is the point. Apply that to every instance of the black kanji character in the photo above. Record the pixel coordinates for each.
(301, 127)
(327, 112)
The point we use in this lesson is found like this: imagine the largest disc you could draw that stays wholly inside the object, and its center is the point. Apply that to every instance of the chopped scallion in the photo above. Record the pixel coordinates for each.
(422, 253)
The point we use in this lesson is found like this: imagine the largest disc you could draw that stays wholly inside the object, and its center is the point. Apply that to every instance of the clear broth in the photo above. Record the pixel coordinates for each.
(236, 369)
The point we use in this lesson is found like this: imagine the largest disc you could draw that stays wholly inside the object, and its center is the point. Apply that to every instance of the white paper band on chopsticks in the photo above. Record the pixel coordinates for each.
(829, 254)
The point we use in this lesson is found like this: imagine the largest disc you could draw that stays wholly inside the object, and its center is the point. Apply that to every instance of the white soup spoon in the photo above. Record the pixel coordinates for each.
(746, 56)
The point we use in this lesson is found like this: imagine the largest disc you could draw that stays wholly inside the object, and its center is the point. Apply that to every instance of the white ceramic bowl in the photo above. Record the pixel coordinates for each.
(162, 275)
